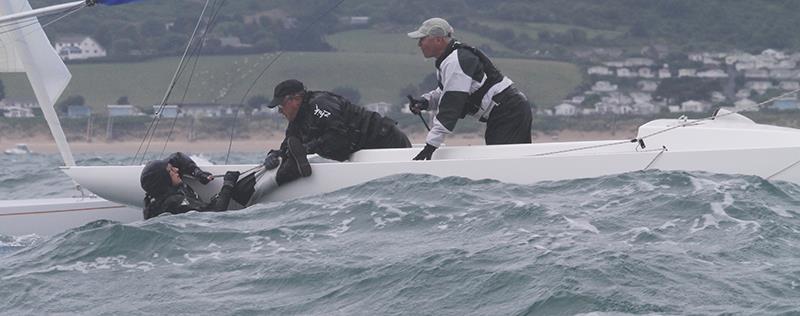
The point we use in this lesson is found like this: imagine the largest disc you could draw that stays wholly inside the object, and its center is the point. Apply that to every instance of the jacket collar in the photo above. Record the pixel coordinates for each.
(453, 45)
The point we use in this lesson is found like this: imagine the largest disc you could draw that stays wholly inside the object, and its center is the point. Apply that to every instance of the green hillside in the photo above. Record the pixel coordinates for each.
(377, 76)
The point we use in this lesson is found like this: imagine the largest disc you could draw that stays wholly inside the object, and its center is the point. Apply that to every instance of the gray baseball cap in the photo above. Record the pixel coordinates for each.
(432, 27)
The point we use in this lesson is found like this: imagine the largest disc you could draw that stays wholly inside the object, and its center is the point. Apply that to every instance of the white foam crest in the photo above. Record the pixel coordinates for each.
(211, 255)
(708, 221)
(343, 227)
(719, 212)
(21, 241)
(581, 224)
(257, 242)
(100, 263)
(669, 224)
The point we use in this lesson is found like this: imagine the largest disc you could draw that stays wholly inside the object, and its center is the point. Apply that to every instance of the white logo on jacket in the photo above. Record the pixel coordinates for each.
(321, 113)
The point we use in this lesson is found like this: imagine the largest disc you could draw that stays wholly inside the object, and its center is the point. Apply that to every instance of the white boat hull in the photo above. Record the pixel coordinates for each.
(52, 216)
(733, 145)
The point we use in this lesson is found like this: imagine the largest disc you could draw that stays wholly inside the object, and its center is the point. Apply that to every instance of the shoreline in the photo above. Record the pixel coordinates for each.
(46, 145)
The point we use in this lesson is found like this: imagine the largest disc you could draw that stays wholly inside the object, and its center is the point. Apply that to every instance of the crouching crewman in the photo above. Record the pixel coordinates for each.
(165, 191)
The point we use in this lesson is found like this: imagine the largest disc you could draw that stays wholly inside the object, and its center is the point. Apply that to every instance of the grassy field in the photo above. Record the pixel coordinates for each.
(533, 29)
(378, 76)
(375, 41)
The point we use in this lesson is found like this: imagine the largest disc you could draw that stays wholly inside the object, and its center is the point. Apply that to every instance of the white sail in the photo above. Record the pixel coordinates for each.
(25, 48)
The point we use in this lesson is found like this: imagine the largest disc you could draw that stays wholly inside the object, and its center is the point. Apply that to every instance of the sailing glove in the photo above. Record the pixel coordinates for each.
(426, 152)
(416, 106)
(272, 160)
(202, 176)
(230, 178)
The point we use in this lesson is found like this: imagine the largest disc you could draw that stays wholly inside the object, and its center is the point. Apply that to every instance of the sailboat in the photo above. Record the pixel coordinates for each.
(726, 142)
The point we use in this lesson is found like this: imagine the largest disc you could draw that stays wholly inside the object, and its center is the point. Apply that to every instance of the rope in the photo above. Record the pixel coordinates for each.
(685, 124)
(263, 71)
(196, 54)
(34, 20)
(154, 123)
(660, 152)
(783, 170)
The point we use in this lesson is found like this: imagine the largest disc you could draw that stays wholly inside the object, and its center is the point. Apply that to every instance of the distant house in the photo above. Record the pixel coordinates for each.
(625, 73)
(687, 72)
(647, 85)
(664, 73)
(168, 111)
(756, 74)
(379, 107)
(355, 20)
(16, 111)
(232, 41)
(78, 111)
(599, 70)
(712, 74)
(14, 107)
(604, 86)
(645, 108)
(78, 48)
(758, 86)
(208, 109)
(565, 109)
(115, 110)
(645, 72)
(694, 106)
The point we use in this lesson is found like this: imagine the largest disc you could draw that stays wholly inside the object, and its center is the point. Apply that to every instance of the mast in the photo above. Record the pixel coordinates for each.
(30, 51)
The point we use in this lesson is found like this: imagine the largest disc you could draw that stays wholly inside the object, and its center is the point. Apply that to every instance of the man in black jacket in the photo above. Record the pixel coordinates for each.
(165, 191)
(326, 124)
(468, 84)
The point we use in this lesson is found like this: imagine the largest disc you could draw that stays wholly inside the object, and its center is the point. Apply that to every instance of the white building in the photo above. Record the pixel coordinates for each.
(645, 108)
(687, 72)
(600, 70)
(712, 74)
(694, 106)
(565, 109)
(379, 107)
(78, 48)
(604, 86)
(647, 85)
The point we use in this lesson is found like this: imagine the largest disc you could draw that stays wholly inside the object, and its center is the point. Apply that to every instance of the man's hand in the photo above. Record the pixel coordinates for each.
(202, 176)
(272, 160)
(416, 106)
(426, 152)
(231, 177)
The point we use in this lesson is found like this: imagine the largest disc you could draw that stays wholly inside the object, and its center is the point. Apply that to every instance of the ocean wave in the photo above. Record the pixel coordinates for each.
(650, 242)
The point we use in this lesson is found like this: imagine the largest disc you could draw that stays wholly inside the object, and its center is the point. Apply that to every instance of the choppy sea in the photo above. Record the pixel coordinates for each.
(641, 243)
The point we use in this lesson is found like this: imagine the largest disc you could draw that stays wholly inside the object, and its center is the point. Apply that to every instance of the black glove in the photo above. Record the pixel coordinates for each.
(426, 152)
(417, 105)
(230, 178)
(202, 176)
(272, 160)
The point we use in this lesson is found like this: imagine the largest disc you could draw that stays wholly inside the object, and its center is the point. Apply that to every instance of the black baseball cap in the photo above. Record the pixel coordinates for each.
(287, 87)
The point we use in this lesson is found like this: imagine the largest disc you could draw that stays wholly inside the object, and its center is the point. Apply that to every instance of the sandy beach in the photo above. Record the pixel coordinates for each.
(45, 144)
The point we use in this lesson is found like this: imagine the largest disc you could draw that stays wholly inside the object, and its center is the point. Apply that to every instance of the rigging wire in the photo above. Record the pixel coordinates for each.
(196, 54)
(640, 140)
(150, 133)
(263, 71)
(31, 21)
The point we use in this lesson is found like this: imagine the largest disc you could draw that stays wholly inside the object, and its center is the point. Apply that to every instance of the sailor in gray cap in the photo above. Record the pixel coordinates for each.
(468, 84)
